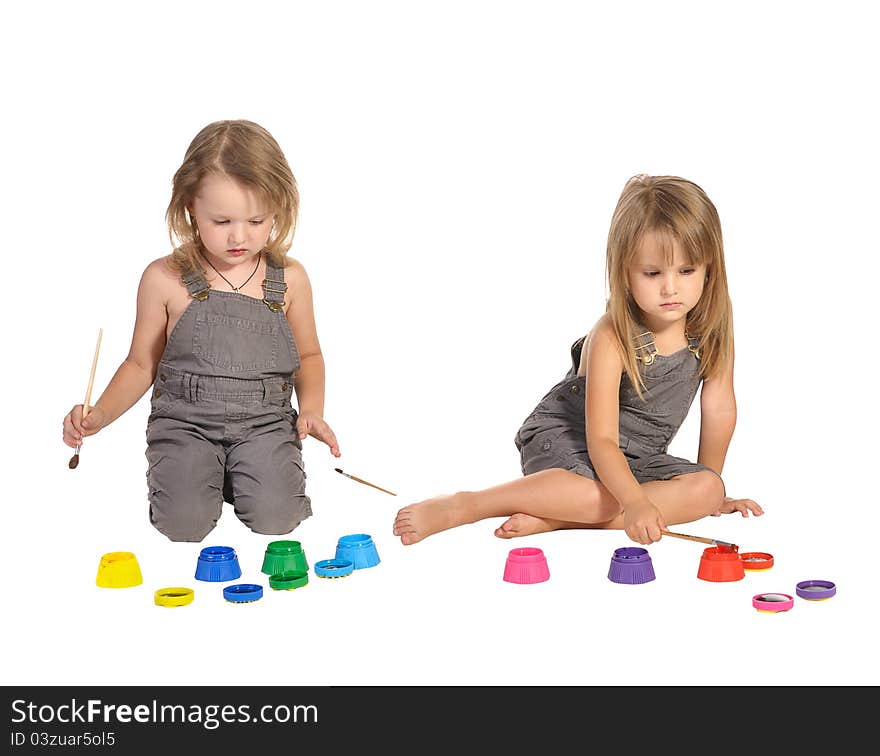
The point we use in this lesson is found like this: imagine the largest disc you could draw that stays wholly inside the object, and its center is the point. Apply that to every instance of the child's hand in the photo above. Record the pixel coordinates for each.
(76, 427)
(643, 522)
(743, 506)
(309, 424)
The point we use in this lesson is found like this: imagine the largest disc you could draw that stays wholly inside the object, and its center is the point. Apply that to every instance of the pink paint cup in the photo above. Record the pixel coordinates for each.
(526, 565)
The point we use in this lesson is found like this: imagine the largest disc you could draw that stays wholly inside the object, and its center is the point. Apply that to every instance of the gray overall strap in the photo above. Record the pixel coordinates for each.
(576, 350)
(196, 284)
(646, 350)
(274, 287)
(643, 344)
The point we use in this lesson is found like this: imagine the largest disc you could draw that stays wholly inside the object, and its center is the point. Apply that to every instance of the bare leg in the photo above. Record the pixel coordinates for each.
(555, 494)
(521, 524)
(684, 502)
(556, 499)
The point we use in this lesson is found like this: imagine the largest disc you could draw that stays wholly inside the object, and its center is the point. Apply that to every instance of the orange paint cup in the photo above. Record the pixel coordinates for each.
(721, 564)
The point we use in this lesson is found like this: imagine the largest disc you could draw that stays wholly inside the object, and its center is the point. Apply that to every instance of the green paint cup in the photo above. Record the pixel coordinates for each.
(284, 556)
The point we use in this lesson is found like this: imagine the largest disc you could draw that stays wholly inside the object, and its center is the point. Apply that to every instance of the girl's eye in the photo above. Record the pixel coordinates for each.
(687, 271)
(652, 273)
(220, 223)
(257, 222)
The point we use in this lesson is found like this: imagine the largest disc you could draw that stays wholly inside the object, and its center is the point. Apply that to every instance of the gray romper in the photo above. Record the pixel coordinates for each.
(221, 425)
(554, 435)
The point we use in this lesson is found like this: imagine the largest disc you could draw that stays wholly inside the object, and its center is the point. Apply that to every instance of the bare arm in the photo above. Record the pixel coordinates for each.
(604, 369)
(642, 521)
(717, 423)
(134, 376)
(717, 419)
(309, 379)
(308, 382)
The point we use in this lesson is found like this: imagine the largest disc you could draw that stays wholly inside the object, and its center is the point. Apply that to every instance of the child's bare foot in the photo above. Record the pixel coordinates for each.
(519, 525)
(418, 521)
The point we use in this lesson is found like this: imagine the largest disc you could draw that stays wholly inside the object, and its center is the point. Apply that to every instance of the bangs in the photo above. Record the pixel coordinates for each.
(664, 239)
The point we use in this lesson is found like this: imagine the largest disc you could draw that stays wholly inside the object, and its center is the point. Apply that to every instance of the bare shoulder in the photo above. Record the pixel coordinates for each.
(160, 279)
(294, 270)
(603, 329)
(161, 272)
(600, 344)
(295, 277)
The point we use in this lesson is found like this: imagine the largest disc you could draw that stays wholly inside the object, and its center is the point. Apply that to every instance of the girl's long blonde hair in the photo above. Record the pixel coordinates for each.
(674, 208)
(247, 153)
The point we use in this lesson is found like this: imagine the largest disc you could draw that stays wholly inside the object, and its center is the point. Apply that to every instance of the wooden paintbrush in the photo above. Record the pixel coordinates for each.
(710, 541)
(74, 460)
(366, 483)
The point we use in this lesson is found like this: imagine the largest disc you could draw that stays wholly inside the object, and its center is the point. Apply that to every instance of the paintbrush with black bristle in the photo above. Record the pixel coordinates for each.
(365, 482)
(74, 460)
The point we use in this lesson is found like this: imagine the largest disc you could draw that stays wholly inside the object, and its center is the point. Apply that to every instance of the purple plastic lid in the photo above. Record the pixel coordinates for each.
(629, 554)
(631, 564)
(816, 589)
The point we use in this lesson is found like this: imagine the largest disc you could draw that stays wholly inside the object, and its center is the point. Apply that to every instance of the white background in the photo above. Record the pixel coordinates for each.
(458, 164)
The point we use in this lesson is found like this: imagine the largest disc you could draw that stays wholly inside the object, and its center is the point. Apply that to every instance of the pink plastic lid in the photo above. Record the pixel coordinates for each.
(773, 602)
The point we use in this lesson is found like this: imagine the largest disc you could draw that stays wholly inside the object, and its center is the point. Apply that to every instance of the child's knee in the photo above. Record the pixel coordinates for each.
(709, 489)
(277, 517)
(270, 498)
(181, 526)
(183, 515)
(184, 489)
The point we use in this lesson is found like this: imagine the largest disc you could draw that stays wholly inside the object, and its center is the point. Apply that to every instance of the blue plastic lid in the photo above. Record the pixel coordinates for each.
(359, 549)
(217, 553)
(217, 564)
(333, 568)
(355, 541)
(243, 592)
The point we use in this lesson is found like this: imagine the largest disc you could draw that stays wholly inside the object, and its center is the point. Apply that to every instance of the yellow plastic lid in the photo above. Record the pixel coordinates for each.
(118, 569)
(174, 596)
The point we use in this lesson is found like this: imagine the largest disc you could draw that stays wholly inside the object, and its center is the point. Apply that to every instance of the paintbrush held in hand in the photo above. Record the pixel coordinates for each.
(74, 460)
(366, 483)
(700, 539)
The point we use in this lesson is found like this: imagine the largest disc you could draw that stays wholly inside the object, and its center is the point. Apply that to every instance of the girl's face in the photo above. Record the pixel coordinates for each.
(664, 291)
(234, 221)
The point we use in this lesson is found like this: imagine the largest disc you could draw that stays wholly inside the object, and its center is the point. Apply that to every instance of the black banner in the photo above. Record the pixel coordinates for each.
(365, 720)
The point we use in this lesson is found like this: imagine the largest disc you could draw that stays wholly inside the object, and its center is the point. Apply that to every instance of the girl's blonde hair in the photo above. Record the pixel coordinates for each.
(673, 208)
(243, 151)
